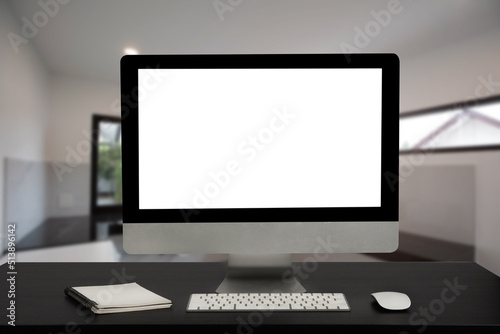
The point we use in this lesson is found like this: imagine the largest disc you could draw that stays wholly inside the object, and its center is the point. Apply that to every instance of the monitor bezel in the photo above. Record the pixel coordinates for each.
(388, 211)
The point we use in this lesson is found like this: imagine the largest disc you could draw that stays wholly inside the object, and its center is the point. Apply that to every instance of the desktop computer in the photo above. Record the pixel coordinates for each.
(260, 156)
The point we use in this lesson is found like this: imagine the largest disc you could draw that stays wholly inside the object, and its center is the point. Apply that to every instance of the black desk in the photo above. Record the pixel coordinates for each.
(474, 307)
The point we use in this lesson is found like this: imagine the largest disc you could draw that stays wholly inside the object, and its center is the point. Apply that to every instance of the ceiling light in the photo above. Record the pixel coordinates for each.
(130, 51)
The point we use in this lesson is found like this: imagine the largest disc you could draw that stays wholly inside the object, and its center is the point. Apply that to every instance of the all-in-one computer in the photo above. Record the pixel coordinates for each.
(260, 156)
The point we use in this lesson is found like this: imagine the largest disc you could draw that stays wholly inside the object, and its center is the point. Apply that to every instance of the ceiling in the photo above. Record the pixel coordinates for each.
(87, 38)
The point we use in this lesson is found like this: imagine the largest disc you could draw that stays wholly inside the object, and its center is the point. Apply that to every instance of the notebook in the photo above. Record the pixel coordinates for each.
(116, 298)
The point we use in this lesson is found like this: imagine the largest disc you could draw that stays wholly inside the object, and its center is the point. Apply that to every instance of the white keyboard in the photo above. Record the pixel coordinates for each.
(246, 302)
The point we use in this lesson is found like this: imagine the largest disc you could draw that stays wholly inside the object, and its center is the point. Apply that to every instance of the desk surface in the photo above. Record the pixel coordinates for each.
(458, 297)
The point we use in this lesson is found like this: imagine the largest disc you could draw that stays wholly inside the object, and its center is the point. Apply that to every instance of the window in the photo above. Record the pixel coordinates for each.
(452, 127)
(106, 165)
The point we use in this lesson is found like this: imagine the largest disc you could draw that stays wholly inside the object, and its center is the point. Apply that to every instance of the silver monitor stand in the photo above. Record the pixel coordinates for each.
(260, 273)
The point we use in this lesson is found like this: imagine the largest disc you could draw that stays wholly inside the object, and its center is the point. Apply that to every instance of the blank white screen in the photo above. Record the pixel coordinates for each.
(259, 138)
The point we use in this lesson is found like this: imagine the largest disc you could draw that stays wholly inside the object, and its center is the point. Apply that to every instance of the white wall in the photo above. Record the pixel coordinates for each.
(23, 105)
(68, 142)
(453, 74)
(438, 201)
(487, 201)
(73, 101)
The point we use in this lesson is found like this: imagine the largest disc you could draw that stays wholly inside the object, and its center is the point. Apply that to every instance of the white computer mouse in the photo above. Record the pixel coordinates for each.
(392, 300)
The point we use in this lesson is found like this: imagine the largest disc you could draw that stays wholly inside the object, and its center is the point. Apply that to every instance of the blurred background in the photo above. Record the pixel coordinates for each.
(60, 170)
